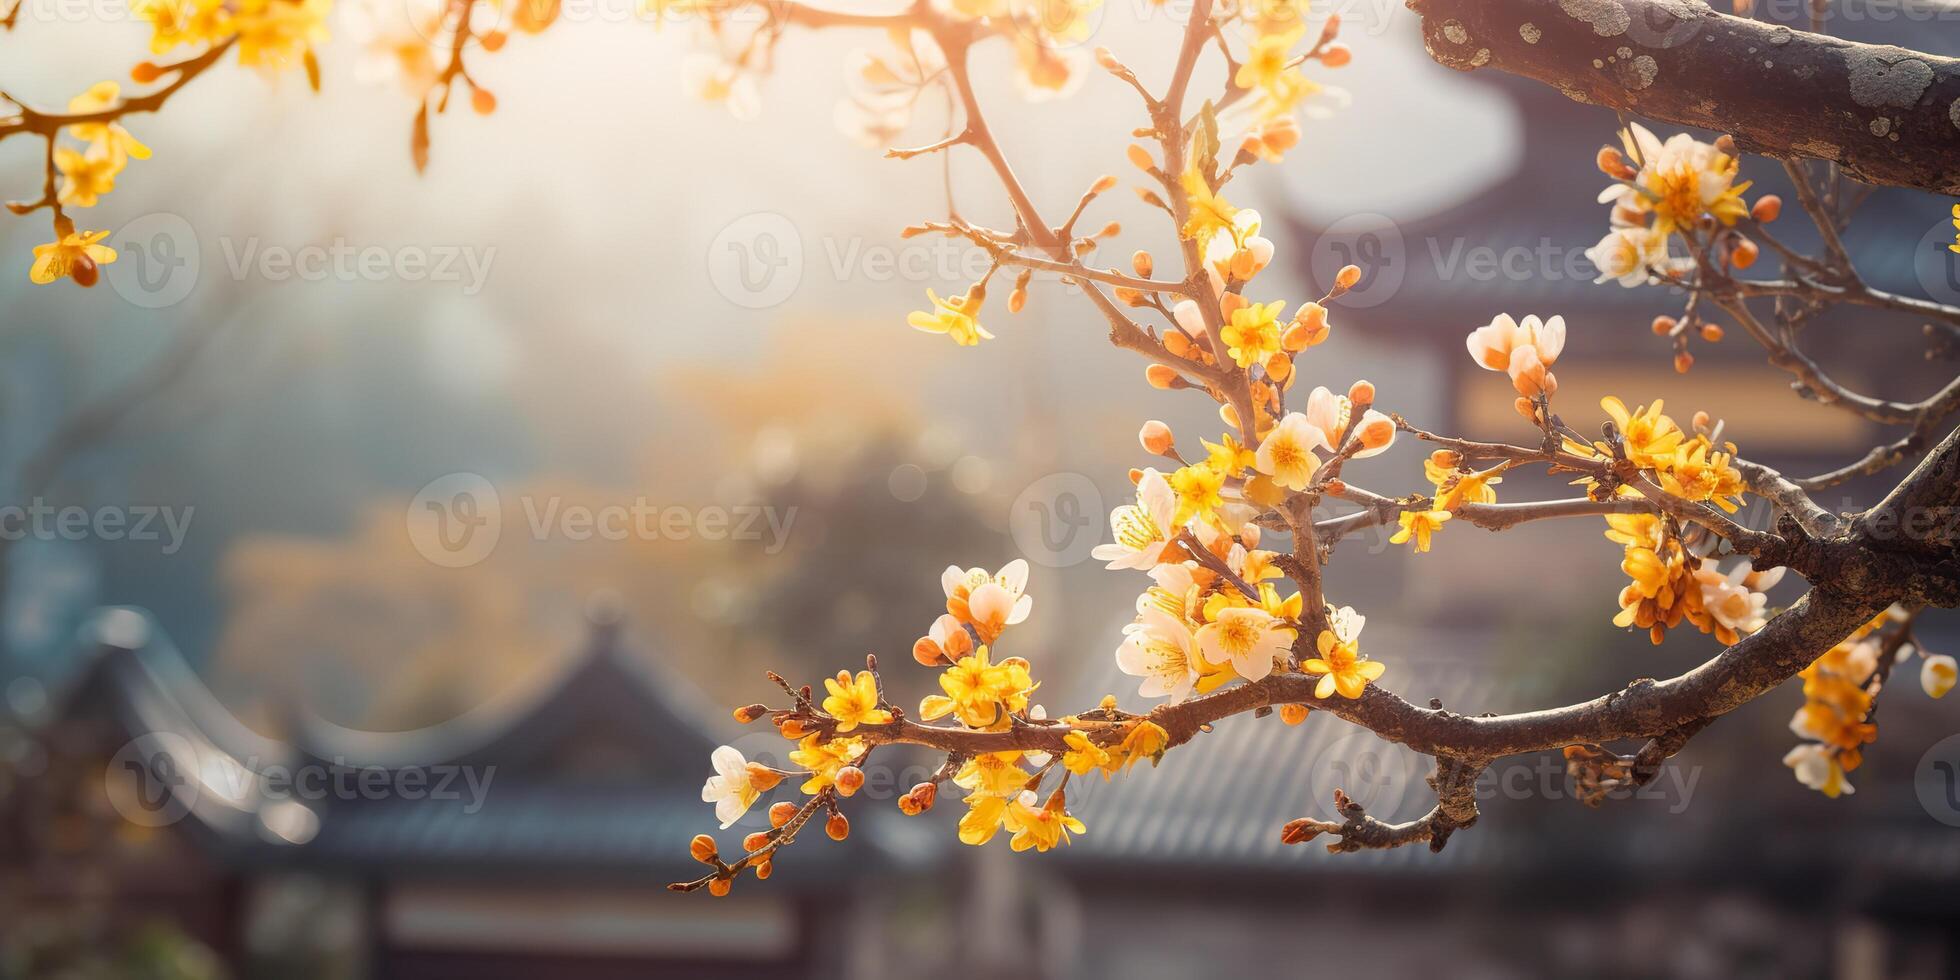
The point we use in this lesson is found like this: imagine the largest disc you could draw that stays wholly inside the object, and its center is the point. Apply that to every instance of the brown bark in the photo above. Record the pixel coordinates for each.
(1886, 114)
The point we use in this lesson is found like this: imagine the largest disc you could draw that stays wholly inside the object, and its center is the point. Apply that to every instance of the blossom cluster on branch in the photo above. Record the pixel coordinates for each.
(1230, 624)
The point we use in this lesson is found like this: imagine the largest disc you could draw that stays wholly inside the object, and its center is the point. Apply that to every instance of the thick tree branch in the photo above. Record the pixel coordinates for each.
(1885, 114)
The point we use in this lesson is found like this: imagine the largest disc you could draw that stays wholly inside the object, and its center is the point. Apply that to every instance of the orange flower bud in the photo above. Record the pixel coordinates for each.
(1103, 184)
(1767, 208)
(1143, 264)
(483, 101)
(1177, 343)
(703, 849)
(1745, 253)
(755, 842)
(919, 800)
(1309, 328)
(1448, 459)
(850, 779)
(719, 887)
(765, 868)
(1336, 487)
(1292, 714)
(750, 712)
(1140, 158)
(145, 72)
(1362, 393)
(837, 827)
(781, 812)
(1702, 421)
(1336, 55)
(1683, 361)
(1348, 276)
(791, 728)
(1136, 476)
(1156, 437)
(1527, 408)
(1107, 59)
(1230, 414)
(493, 41)
(1017, 299)
(1161, 376)
(1726, 144)
(1298, 831)
(1279, 367)
(1128, 297)
(1711, 332)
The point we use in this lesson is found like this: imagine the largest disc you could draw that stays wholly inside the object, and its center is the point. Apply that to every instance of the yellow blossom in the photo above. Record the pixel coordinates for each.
(1419, 525)
(1083, 755)
(86, 176)
(1340, 660)
(76, 254)
(953, 316)
(1252, 336)
(1209, 213)
(1042, 828)
(825, 759)
(276, 34)
(111, 137)
(854, 702)
(1144, 740)
(992, 774)
(1197, 488)
(175, 22)
(977, 691)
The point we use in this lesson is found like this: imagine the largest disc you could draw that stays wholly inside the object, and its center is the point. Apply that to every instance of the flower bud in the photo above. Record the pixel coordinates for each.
(1293, 714)
(145, 72)
(1128, 297)
(1336, 55)
(781, 812)
(1177, 343)
(1143, 264)
(792, 728)
(1298, 831)
(702, 847)
(1140, 158)
(1156, 438)
(850, 779)
(1016, 299)
(1726, 144)
(1161, 376)
(1336, 487)
(1711, 332)
(1309, 328)
(1527, 408)
(1701, 421)
(1279, 367)
(928, 653)
(1448, 459)
(1103, 184)
(1664, 325)
(1683, 361)
(719, 887)
(750, 712)
(483, 101)
(1767, 208)
(1230, 415)
(919, 800)
(1745, 253)
(492, 41)
(1362, 393)
(755, 842)
(764, 868)
(1347, 277)
(1375, 433)
(1106, 59)
(837, 827)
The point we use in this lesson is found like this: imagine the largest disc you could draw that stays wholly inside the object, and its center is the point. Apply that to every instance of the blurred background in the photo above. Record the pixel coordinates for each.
(409, 593)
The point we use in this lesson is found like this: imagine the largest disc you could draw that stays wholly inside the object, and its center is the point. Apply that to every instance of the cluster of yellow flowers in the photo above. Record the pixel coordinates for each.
(1683, 186)
(1692, 467)
(86, 175)
(1839, 689)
